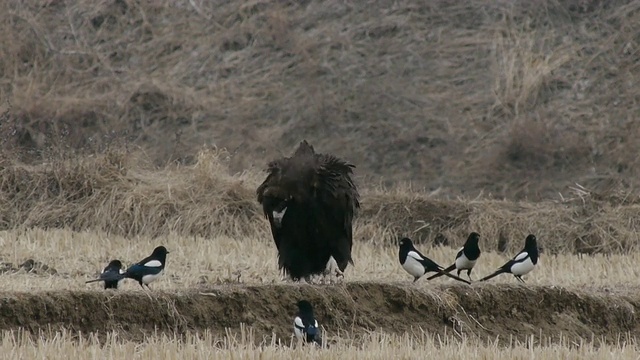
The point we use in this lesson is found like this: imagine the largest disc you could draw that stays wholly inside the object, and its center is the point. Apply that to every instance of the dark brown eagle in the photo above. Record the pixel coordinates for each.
(310, 200)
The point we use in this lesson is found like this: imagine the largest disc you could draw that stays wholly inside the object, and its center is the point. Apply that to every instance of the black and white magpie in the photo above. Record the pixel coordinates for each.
(466, 257)
(110, 275)
(305, 325)
(148, 269)
(522, 263)
(416, 264)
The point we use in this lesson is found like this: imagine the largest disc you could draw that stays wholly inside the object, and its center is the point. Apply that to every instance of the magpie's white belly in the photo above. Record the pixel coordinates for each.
(148, 279)
(413, 267)
(522, 268)
(464, 263)
(298, 326)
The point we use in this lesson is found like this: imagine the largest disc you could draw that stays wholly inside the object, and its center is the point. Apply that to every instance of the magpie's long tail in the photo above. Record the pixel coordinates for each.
(454, 277)
(500, 271)
(443, 272)
(108, 278)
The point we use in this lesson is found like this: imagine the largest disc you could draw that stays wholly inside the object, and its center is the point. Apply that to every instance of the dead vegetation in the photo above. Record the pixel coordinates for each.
(375, 345)
(124, 124)
(499, 315)
(513, 99)
(119, 193)
(221, 284)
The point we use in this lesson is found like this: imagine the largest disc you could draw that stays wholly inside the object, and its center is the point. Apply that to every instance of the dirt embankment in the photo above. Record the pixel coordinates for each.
(480, 311)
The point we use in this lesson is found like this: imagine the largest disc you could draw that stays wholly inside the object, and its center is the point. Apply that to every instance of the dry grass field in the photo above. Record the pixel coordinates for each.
(125, 125)
(65, 220)
(374, 346)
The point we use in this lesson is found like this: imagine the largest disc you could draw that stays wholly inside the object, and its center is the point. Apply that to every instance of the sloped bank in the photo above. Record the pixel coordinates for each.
(478, 311)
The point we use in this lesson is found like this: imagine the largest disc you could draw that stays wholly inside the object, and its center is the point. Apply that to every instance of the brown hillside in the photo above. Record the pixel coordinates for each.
(518, 99)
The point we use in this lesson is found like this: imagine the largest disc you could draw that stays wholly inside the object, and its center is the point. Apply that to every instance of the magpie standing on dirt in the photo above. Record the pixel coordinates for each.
(305, 325)
(522, 263)
(110, 275)
(148, 269)
(416, 264)
(466, 257)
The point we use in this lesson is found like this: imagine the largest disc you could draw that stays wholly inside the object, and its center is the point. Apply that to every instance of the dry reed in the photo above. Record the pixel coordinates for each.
(376, 345)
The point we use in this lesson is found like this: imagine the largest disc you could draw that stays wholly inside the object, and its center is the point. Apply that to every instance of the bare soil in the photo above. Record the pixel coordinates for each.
(485, 312)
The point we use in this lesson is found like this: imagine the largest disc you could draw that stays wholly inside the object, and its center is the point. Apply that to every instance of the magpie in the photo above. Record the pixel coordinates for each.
(522, 263)
(305, 325)
(110, 275)
(148, 269)
(466, 257)
(417, 264)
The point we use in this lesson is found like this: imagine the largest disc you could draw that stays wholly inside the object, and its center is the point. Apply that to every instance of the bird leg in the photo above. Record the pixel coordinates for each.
(330, 278)
(284, 276)
(322, 279)
(339, 277)
(332, 275)
(331, 269)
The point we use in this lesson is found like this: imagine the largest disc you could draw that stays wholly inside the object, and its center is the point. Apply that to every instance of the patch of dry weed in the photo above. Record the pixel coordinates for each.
(117, 192)
(462, 97)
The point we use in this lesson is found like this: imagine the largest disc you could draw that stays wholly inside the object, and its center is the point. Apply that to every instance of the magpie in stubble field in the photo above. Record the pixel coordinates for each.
(416, 264)
(112, 271)
(305, 325)
(522, 263)
(466, 257)
(148, 269)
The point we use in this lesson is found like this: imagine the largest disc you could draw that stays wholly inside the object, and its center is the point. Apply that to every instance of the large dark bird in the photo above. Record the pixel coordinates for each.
(465, 258)
(522, 263)
(310, 200)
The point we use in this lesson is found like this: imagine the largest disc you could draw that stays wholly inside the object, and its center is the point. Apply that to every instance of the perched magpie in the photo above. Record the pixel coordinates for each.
(417, 264)
(522, 263)
(466, 257)
(110, 275)
(148, 269)
(305, 326)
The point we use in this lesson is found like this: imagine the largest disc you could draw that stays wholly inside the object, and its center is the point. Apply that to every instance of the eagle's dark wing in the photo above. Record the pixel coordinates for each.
(270, 201)
(339, 198)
